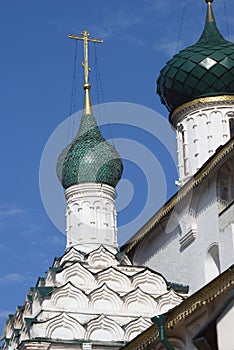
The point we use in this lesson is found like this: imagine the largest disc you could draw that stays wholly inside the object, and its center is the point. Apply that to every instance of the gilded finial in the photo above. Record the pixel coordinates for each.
(209, 14)
(86, 86)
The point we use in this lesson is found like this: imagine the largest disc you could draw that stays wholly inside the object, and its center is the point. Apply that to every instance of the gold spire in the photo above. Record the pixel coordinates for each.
(86, 86)
(209, 14)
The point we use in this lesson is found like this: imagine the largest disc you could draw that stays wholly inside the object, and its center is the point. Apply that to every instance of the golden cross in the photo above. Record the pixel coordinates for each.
(85, 64)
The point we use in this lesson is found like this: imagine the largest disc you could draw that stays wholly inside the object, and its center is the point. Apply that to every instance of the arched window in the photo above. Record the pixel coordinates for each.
(212, 264)
(183, 149)
(225, 184)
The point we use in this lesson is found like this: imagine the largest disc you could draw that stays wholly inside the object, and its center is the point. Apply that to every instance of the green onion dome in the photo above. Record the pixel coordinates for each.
(89, 158)
(201, 70)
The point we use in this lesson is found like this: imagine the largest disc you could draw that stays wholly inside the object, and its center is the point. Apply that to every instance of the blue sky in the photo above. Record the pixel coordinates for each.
(36, 77)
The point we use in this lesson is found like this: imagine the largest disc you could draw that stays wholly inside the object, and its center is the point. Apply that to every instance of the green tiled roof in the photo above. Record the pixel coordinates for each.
(201, 70)
(44, 290)
(29, 296)
(20, 307)
(89, 158)
(17, 331)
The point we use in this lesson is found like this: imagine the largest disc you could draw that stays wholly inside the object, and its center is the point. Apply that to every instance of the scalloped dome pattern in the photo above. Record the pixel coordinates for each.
(201, 70)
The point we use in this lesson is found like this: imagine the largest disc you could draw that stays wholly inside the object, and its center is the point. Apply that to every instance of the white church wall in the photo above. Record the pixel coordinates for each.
(194, 244)
(226, 227)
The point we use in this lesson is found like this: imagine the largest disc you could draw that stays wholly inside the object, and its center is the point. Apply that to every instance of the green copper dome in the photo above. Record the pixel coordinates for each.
(89, 158)
(201, 70)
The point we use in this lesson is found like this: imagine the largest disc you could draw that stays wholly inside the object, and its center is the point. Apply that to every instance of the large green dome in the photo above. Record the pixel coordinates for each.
(201, 70)
(89, 158)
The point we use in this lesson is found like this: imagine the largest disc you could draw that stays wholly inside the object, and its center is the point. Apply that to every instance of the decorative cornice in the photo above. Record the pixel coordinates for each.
(205, 295)
(89, 188)
(205, 170)
(203, 102)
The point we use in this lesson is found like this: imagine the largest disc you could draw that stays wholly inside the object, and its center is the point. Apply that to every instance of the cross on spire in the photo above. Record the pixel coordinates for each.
(87, 110)
(85, 63)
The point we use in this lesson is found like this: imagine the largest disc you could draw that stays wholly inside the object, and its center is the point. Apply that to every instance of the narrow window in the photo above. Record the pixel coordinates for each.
(184, 153)
(225, 184)
(231, 126)
(212, 264)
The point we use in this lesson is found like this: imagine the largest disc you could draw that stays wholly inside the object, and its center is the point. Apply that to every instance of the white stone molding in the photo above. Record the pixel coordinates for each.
(36, 303)
(34, 345)
(50, 279)
(78, 275)
(91, 217)
(115, 279)
(9, 328)
(149, 282)
(94, 298)
(138, 302)
(72, 255)
(188, 224)
(27, 312)
(64, 327)
(104, 329)
(133, 328)
(24, 333)
(130, 270)
(168, 301)
(105, 300)
(18, 320)
(67, 297)
(188, 238)
(101, 258)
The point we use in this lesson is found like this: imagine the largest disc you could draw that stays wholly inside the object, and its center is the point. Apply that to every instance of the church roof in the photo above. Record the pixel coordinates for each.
(208, 167)
(92, 297)
(203, 69)
(215, 289)
(89, 158)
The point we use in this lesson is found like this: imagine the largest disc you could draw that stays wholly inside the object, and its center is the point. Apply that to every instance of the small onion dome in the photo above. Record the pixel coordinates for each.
(201, 70)
(89, 158)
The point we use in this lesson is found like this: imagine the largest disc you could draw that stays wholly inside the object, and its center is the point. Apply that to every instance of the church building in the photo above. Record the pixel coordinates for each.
(171, 285)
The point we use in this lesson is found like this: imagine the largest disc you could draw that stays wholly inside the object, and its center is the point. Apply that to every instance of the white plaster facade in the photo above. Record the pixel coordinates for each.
(194, 242)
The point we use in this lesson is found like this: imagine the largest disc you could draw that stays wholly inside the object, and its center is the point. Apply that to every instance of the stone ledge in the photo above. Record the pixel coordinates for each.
(188, 238)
